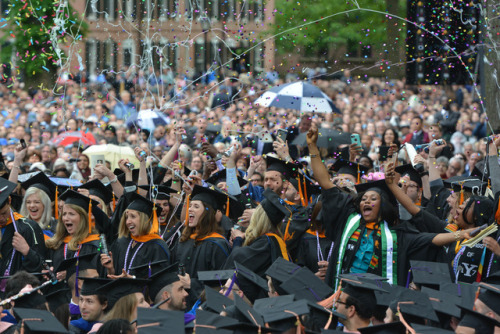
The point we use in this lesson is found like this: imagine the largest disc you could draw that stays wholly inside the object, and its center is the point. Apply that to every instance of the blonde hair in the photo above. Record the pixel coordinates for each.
(123, 308)
(260, 224)
(144, 225)
(47, 206)
(83, 230)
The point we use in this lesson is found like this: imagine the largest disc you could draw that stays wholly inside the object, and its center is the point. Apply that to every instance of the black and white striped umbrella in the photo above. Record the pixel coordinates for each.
(300, 96)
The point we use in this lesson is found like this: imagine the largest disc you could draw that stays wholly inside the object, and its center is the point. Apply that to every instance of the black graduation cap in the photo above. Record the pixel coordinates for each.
(274, 207)
(236, 208)
(364, 276)
(265, 305)
(216, 302)
(466, 292)
(390, 328)
(85, 261)
(150, 321)
(97, 188)
(211, 197)
(443, 302)
(42, 182)
(158, 191)
(253, 290)
(215, 277)
(141, 204)
(163, 278)
(304, 284)
(207, 318)
(289, 170)
(56, 295)
(252, 316)
(221, 176)
(31, 300)
(283, 317)
(38, 321)
(380, 187)
(148, 269)
(92, 284)
(422, 329)
(430, 274)
(471, 185)
(6, 188)
(342, 166)
(411, 172)
(490, 296)
(480, 171)
(319, 316)
(75, 198)
(281, 269)
(416, 304)
(64, 184)
(118, 288)
(158, 174)
(480, 322)
(362, 291)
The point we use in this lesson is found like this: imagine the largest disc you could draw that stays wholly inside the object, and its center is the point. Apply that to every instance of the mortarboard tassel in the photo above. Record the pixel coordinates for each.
(300, 191)
(489, 183)
(359, 176)
(408, 328)
(114, 201)
(156, 225)
(304, 189)
(297, 323)
(187, 210)
(478, 291)
(90, 216)
(56, 204)
(227, 207)
(497, 213)
(461, 194)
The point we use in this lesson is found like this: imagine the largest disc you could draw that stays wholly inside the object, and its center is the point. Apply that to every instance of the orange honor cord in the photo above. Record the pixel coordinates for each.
(56, 204)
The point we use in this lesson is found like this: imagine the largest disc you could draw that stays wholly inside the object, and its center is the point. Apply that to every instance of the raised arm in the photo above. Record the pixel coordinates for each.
(402, 198)
(433, 168)
(319, 169)
(171, 154)
(493, 165)
(19, 155)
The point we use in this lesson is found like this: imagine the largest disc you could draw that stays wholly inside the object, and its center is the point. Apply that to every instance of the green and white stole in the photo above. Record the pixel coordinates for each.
(388, 251)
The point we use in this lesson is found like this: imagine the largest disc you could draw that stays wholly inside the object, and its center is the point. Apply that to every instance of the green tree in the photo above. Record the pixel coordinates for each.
(39, 31)
(350, 26)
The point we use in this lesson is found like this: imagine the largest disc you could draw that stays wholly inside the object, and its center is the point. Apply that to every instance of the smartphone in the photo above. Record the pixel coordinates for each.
(100, 162)
(383, 152)
(282, 134)
(23, 143)
(193, 173)
(355, 139)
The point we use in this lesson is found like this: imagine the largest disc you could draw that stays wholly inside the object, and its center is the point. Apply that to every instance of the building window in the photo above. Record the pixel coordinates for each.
(214, 60)
(109, 9)
(129, 9)
(257, 10)
(258, 55)
(244, 11)
(199, 56)
(92, 56)
(128, 52)
(366, 51)
(92, 10)
(352, 48)
(110, 55)
(172, 55)
(167, 9)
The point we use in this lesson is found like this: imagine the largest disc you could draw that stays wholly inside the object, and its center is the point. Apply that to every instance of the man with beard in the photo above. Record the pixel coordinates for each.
(168, 288)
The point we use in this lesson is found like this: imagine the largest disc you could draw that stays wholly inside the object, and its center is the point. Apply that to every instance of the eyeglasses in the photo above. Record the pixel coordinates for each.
(343, 303)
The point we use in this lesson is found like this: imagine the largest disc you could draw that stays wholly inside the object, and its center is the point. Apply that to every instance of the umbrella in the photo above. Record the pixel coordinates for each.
(112, 153)
(148, 119)
(329, 138)
(300, 96)
(67, 138)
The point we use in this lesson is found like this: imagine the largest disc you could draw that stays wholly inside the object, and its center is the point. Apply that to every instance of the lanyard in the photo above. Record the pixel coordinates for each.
(133, 257)
(320, 253)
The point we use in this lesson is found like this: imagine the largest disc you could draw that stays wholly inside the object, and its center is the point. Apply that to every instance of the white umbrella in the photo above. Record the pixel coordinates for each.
(300, 96)
(148, 119)
(112, 153)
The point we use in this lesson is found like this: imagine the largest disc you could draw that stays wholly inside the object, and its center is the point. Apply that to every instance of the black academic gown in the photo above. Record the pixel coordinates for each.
(411, 244)
(307, 251)
(208, 254)
(257, 257)
(138, 253)
(437, 205)
(293, 229)
(64, 253)
(12, 262)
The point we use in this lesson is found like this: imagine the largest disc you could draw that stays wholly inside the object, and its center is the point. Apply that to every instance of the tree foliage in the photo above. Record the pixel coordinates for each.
(357, 26)
(39, 31)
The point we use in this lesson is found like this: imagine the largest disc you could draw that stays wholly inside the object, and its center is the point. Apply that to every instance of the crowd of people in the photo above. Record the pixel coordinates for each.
(227, 225)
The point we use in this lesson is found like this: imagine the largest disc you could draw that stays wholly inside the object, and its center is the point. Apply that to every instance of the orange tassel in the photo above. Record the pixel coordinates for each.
(497, 214)
(114, 202)
(187, 209)
(461, 194)
(476, 296)
(304, 188)
(489, 183)
(56, 204)
(90, 216)
(300, 191)
(359, 176)
(156, 226)
(227, 207)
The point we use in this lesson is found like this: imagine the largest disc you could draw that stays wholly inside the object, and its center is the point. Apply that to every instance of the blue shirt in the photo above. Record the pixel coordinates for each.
(364, 254)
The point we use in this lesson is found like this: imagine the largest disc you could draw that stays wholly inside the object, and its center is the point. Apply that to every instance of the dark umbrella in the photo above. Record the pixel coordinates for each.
(328, 138)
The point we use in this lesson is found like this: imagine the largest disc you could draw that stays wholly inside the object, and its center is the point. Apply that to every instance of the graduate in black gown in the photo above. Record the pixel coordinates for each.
(365, 228)
(76, 234)
(138, 240)
(202, 247)
(22, 246)
(263, 242)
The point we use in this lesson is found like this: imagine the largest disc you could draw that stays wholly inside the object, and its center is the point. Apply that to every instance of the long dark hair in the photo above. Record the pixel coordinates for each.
(387, 211)
(396, 137)
(207, 225)
(315, 222)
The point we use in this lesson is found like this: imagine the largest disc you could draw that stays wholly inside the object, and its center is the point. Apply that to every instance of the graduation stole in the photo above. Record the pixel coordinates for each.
(320, 234)
(145, 238)
(388, 251)
(282, 244)
(211, 235)
(92, 237)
